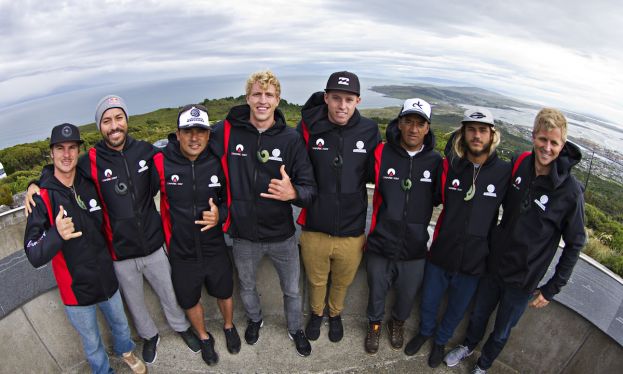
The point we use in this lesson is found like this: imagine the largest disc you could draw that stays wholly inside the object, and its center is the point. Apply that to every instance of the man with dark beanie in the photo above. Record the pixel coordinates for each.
(340, 143)
(406, 170)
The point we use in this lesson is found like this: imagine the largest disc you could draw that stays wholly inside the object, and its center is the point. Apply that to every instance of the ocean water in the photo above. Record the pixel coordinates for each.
(33, 120)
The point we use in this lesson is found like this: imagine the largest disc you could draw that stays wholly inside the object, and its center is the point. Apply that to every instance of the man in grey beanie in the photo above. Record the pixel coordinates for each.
(126, 180)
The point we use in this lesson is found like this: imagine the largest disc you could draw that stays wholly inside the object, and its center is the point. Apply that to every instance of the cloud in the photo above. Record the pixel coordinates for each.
(562, 53)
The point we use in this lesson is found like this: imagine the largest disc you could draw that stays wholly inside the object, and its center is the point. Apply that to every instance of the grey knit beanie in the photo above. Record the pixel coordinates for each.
(107, 102)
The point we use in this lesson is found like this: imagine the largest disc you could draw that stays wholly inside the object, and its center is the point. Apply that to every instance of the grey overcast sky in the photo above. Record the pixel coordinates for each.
(567, 54)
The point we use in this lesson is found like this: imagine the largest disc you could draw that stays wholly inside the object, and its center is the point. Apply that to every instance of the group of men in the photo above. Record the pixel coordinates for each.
(242, 175)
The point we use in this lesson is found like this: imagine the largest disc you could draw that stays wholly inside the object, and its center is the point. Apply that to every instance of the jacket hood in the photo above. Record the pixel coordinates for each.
(569, 156)
(240, 114)
(316, 117)
(174, 152)
(392, 134)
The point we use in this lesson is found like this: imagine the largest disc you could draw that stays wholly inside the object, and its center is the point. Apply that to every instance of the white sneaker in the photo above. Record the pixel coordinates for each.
(478, 370)
(457, 355)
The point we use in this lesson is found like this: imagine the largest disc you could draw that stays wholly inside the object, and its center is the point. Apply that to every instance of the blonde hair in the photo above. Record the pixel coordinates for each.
(459, 147)
(549, 119)
(265, 78)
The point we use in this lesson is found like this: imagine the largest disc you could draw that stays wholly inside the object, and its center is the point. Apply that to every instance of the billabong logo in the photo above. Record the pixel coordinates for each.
(542, 201)
(343, 80)
(426, 177)
(359, 144)
(93, 205)
(142, 164)
(490, 191)
(214, 181)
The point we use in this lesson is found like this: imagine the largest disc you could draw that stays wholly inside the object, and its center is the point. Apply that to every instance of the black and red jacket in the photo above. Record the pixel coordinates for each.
(185, 190)
(341, 157)
(126, 181)
(461, 238)
(538, 211)
(250, 159)
(404, 195)
(82, 266)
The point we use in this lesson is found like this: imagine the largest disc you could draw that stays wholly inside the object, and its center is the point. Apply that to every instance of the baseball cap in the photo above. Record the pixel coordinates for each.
(193, 116)
(416, 106)
(343, 81)
(108, 102)
(65, 132)
(477, 114)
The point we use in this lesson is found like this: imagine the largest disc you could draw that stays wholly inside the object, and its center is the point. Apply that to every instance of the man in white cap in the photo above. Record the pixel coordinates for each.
(406, 180)
(121, 168)
(472, 186)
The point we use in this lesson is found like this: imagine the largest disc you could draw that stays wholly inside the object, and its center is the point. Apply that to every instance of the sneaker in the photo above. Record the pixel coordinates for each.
(232, 339)
(478, 370)
(252, 333)
(191, 340)
(336, 329)
(149, 349)
(396, 329)
(302, 344)
(415, 344)
(457, 355)
(436, 355)
(208, 353)
(136, 365)
(372, 338)
(312, 330)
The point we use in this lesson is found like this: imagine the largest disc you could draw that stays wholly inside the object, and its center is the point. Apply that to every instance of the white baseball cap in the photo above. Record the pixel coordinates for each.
(477, 114)
(416, 106)
(193, 116)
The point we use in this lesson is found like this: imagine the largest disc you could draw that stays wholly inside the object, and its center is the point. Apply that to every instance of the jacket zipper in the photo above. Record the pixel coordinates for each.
(338, 172)
(137, 216)
(256, 164)
(196, 234)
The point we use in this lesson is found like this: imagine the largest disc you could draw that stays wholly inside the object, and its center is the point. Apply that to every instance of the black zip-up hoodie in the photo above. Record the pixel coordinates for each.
(185, 190)
(250, 160)
(461, 239)
(538, 211)
(341, 156)
(404, 196)
(127, 182)
(82, 266)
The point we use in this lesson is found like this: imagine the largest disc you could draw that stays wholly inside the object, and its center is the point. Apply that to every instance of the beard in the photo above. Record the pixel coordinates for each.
(477, 152)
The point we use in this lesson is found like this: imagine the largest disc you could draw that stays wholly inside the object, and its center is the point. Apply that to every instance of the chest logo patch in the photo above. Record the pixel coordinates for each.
(542, 202)
(93, 205)
(320, 145)
(455, 186)
(359, 147)
(275, 155)
(490, 191)
(239, 151)
(214, 181)
(108, 176)
(142, 164)
(426, 177)
(390, 174)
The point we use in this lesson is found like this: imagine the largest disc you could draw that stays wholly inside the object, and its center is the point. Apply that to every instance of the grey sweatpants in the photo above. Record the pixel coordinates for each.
(156, 268)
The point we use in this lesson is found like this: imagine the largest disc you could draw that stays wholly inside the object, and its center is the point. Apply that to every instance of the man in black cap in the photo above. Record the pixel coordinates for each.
(121, 168)
(65, 228)
(193, 205)
(340, 143)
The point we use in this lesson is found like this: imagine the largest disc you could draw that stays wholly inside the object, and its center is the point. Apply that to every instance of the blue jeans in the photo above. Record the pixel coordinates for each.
(461, 288)
(512, 304)
(285, 258)
(84, 320)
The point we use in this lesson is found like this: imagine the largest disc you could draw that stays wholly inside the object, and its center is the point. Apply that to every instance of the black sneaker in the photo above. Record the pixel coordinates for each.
(232, 339)
(415, 344)
(191, 340)
(252, 333)
(149, 349)
(208, 353)
(336, 330)
(312, 330)
(302, 344)
(436, 355)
